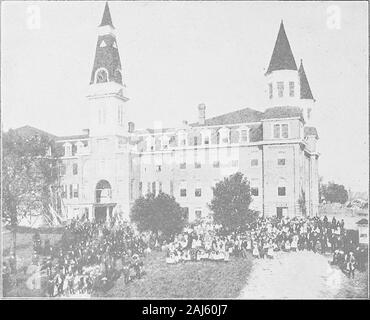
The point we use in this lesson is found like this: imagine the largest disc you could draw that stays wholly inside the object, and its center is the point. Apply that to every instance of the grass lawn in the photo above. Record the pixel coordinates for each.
(203, 279)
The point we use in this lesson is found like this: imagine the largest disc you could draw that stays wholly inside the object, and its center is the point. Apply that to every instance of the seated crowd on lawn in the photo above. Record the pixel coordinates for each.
(93, 258)
(207, 241)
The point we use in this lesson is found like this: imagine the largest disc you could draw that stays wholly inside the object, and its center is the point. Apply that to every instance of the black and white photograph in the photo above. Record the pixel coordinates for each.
(178, 150)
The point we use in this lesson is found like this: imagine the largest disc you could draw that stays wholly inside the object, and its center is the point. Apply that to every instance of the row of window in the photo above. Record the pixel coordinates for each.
(63, 169)
(280, 89)
(152, 188)
(216, 164)
(70, 191)
(222, 136)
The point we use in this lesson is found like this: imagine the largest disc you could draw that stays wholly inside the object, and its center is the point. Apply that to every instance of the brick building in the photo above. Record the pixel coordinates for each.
(111, 164)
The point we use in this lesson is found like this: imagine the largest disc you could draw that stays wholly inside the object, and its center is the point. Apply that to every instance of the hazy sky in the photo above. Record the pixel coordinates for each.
(176, 55)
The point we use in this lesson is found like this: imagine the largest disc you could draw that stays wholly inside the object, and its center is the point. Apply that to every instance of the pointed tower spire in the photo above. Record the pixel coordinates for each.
(107, 19)
(107, 63)
(282, 57)
(306, 92)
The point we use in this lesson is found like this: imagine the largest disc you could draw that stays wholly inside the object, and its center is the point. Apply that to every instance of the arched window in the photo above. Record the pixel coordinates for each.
(101, 75)
(103, 192)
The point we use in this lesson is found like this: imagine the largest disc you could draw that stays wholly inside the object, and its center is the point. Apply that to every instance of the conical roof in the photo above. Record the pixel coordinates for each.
(282, 57)
(306, 92)
(107, 19)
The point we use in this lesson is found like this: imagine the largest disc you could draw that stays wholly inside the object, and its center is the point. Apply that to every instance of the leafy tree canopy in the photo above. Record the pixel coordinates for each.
(334, 193)
(29, 171)
(158, 213)
(230, 203)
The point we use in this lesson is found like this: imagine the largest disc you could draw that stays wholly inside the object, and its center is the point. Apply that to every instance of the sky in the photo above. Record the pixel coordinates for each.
(176, 55)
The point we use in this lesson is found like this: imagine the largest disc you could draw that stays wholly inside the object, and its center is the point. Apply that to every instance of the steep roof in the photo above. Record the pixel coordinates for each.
(282, 112)
(106, 53)
(107, 19)
(282, 57)
(306, 92)
(27, 131)
(310, 131)
(240, 116)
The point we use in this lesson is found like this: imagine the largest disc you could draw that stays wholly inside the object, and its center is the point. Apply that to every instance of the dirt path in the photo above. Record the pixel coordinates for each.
(300, 275)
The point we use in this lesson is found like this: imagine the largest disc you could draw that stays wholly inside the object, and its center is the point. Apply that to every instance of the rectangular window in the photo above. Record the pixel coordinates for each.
(198, 214)
(75, 190)
(183, 165)
(64, 191)
(70, 191)
(284, 130)
(244, 134)
(183, 188)
(62, 169)
(270, 90)
(216, 164)
(195, 141)
(254, 191)
(75, 168)
(281, 191)
(254, 162)
(234, 163)
(198, 192)
(291, 89)
(153, 188)
(158, 168)
(206, 140)
(197, 165)
(280, 88)
(148, 188)
(276, 131)
(281, 162)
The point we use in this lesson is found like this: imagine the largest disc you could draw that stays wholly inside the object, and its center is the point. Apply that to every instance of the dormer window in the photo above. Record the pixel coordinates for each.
(225, 135)
(101, 76)
(244, 135)
(67, 149)
(103, 44)
(280, 131)
(182, 138)
(150, 141)
(280, 88)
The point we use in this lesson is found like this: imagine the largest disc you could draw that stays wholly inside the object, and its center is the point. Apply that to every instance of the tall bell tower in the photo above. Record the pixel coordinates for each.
(286, 84)
(106, 94)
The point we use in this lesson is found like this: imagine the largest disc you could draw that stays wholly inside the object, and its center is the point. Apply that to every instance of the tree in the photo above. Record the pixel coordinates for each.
(230, 203)
(29, 173)
(334, 193)
(158, 213)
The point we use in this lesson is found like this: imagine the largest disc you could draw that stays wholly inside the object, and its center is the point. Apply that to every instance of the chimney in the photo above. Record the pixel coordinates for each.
(131, 127)
(202, 114)
(86, 131)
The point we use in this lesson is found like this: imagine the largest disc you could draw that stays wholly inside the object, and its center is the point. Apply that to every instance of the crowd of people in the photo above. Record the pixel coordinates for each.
(91, 257)
(263, 238)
